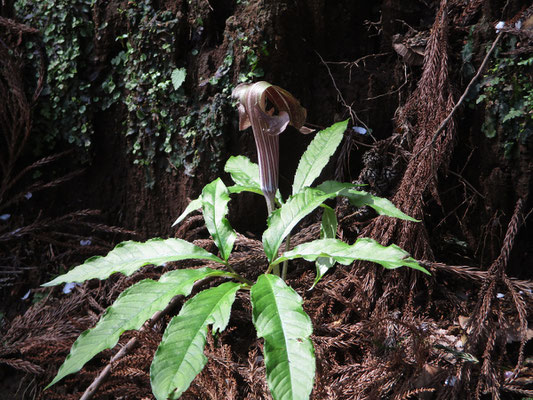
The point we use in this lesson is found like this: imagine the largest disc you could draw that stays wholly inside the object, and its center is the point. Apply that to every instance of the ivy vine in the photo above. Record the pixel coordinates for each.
(507, 93)
(63, 112)
(165, 125)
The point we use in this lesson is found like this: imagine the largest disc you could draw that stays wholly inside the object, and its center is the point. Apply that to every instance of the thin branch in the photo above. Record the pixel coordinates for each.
(395, 90)
(463, 96)
(356, 62)
(353, 115)
(463, 180)
(477, 275)
(102, 376)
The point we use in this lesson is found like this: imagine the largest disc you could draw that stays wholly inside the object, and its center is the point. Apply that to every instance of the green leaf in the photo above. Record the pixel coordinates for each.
(333, 186)
(239, 189)
(180, 356)
(245, 174)
(130, 310)
(317, 155)
(280, 320)
(513, 113)
(282, 220)
(328, 230)
(359, 198)
(363, 249)
(215, 198)
(178, 77)
(193, 205)
(129, 256)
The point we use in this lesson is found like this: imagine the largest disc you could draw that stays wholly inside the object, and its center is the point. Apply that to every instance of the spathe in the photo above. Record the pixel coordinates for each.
(267, 124)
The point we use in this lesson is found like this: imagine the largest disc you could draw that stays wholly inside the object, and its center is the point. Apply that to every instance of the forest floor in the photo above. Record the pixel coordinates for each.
(462, 333)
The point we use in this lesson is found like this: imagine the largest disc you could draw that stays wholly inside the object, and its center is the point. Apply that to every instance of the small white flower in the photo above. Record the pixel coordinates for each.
(69, 286)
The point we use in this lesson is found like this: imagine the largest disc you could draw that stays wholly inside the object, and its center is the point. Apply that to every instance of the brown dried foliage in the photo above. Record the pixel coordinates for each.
(377, 334)
(58, 237)
(15, 108)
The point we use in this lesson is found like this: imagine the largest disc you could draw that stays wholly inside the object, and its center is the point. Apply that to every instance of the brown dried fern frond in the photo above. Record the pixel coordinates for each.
(431, 103)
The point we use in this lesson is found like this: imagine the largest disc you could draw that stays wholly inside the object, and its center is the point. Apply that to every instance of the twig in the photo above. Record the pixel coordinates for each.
(476, 275)
(353, 115)
(463, 96)
(356, 62)
(102, 376)
(286, 262)
(467, 183)
(107, 370)
(392, 91)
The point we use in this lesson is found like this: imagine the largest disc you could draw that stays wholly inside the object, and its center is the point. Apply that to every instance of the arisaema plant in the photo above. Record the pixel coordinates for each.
(278, 316)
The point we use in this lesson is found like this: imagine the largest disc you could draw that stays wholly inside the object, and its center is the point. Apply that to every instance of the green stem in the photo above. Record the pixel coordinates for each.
(237, 276)
(271, 206)
(286, 262)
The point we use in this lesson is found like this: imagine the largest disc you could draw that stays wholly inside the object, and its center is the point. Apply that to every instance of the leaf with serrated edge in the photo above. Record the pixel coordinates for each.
(359, 198)
(328, 230)
(317, 155)
(178, 77)
(364, 249)
(245, 174)
(180, 356)
(333, 186)
(215, 198)
(282, 220)
(193, 205)
(130, 311)
(129, 256)
(235, 189)
(280, 320)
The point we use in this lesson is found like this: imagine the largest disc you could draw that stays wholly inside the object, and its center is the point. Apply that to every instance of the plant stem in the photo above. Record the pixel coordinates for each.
(271, 206)
(237, 276)
(286, 262)
(102, 376)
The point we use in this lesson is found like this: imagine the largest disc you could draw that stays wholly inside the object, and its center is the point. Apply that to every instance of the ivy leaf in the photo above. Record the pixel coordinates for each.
(317, 155)
(180, 356)
(364, 249)
(215, 198)
(513, 113)
(192, 206)
(129, 256)
(282, 220)
(178, 77)
(280, 320)
(328, 230)
(130, 311)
